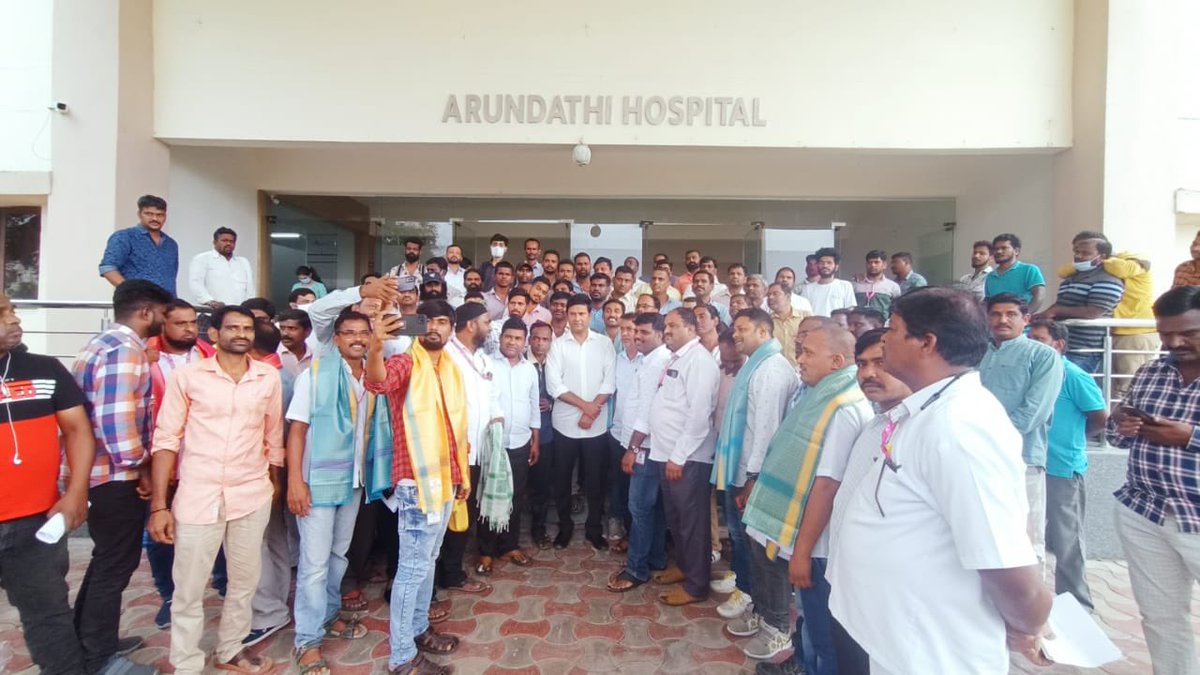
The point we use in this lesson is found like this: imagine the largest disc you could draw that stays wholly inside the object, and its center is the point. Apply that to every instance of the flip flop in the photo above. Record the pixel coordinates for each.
(517, 558)
(472, 586)
(247, 663)
(352, 630)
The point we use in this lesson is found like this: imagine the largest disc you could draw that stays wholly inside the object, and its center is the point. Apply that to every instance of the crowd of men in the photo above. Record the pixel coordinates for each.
(850, 435)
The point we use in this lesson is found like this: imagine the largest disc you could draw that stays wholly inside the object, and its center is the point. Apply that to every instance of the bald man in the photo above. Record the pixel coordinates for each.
(796, 521)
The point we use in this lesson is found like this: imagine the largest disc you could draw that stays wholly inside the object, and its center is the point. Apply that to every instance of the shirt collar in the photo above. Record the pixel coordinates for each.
(253, 368)
(913, 404)
(687, 348)
(129, 333)
(993, 347)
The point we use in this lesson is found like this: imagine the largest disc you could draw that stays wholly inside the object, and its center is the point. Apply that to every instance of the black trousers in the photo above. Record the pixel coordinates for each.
(375, 527)
(34, 575)
(541, 490)
(592, 455)
(851, 658)
(449, 572)
(687, 504)
(115, 520)
(495, 544)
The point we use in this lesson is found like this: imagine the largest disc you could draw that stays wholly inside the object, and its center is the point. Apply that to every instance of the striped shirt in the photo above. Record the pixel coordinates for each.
(114, 374)
(1159, 477)
(1093, 288)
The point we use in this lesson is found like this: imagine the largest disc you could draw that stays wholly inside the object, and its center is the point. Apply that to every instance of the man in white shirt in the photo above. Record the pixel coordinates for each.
(981, 266)
(629, 362)
(516, 382)
(456, 286)
(218, 277)
(295, 327)
(472, 325)
(411, 267)
(533, 251)
(977, 586)
(683, 440)
(768, 383)
(828, 293)
(648, 526)
(735, 279)
(326, 509)
(580, 375)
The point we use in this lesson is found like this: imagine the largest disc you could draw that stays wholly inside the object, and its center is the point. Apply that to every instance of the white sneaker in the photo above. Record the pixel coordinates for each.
(745, 625)
(767, 644)
(736, 605)
(723, 583)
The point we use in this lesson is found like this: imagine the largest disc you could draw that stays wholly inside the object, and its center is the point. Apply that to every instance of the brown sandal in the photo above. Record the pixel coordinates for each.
(623, 581)
(438, 614)
(354, 602)
(471, 586)
(420, 666)
(436, 643)
(247, 663)
(312, 667)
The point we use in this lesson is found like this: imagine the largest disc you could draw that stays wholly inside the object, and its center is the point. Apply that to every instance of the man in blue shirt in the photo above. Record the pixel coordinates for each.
(1013, 276)
(1079, 412)
(143, 251)
(1025, 377)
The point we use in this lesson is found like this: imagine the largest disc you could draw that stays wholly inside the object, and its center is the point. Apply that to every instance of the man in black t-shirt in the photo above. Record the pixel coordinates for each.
(38, 398)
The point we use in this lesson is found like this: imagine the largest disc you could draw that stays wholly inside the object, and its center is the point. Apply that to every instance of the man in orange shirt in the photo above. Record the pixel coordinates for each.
(229, 412)
(1188, 273)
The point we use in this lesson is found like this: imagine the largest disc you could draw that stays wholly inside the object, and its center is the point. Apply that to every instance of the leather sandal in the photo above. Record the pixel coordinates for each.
(247, 663)
(434, 642)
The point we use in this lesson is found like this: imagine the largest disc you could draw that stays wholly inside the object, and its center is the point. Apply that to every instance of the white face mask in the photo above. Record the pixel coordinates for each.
(1084, 266)
(498, 251)
(305, 280)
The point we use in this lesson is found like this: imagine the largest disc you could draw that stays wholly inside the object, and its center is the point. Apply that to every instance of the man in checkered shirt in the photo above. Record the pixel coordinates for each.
(1158, 515)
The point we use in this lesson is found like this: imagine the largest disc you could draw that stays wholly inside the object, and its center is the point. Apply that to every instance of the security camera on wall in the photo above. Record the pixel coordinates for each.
(582, 155)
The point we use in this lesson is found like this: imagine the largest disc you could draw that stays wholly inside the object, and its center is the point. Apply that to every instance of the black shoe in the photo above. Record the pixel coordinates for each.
(788, 667)
(128, 645)
(598, 542)
(257, 635)
(163, 618)
(563, 540)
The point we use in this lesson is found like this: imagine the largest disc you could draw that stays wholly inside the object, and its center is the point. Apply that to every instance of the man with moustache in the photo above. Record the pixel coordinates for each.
(496, 299)
(599, 291)
(874, 290)
(229, 410)
(1012, 275)
(550, 264)
(646, 304)
(533, 251)
(411, 267)
(541, 476)
(371, 298)
(757, 403)
(217, 277)
(428, 401)
(113, 371)
(884, 392)
(178, 345)
(1025, 376)
(539, 291)
(580, 373)
(558, 313)
(981, 267)
(336, 449)
(913, 546)
(648, 526)
(785, 318)
(455, 276)
(623, 283)
(661, 290)
(472, 326)
(789, 505)
(295, 327)
(703, 285)
(516, 382)
(828, 292)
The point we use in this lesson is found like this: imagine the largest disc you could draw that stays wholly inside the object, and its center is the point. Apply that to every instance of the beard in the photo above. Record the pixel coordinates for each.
(433, 344)
(180, 345)
(412, 257)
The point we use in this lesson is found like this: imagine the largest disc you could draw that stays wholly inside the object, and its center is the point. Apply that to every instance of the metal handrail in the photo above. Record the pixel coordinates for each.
(61, 335)
(63, 304)
(1106, 375)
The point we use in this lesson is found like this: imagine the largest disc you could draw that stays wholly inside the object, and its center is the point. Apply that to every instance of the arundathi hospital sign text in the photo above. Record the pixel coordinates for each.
(707, 111)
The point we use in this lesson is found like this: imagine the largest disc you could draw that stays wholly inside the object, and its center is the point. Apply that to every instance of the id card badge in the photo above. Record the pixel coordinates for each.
(640, 458)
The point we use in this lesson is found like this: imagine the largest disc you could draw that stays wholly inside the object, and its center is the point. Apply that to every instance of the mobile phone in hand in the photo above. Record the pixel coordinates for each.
(1135, 412)
(413, 325)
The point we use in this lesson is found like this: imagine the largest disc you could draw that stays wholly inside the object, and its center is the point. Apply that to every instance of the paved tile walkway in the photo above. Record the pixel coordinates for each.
(556, 617)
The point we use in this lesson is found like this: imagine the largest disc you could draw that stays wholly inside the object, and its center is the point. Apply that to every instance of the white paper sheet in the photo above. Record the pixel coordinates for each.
(1077, 640)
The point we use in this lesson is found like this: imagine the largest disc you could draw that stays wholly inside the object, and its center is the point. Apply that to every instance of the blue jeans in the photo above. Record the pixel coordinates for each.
(412, 589)
(740, 562)
(819, 655)
(162, 558)
(325, 535)
(648, 533)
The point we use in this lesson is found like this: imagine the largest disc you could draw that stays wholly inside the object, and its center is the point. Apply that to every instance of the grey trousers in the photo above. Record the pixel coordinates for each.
(686, 502)
(772, 591)
(1065, 504)
(270, 605)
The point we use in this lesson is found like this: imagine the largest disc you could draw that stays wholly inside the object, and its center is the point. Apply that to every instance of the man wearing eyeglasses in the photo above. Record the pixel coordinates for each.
(931, 568)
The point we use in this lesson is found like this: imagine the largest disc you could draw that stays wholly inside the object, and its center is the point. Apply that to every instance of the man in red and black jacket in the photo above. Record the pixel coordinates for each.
(39, 398)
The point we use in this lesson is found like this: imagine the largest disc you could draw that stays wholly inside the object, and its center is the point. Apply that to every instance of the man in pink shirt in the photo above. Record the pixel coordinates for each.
(228, 410)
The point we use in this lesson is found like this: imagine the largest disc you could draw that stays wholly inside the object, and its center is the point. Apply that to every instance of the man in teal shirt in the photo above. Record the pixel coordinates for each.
(1025, 376)
(1013, 276)
(1079, 412)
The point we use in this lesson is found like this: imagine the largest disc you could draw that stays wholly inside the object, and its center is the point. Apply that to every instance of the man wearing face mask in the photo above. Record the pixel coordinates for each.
(412, 259)
(1090, 293)
(498, 246)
